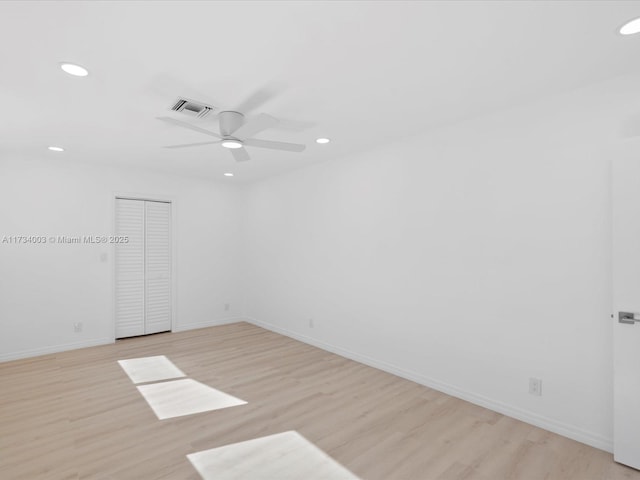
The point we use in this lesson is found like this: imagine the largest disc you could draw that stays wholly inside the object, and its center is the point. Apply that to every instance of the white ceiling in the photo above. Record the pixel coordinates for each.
(362, 73)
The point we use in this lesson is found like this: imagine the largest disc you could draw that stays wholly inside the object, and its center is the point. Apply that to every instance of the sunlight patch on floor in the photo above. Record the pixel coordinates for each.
(283, 456)
(150, 369)
(184, 397)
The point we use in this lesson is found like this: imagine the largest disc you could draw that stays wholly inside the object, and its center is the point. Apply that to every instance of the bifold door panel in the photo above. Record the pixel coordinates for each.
(157, 267)
(142, 267)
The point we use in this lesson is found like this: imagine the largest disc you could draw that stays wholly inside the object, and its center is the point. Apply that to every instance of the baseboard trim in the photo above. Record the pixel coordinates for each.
(566, 430)
(63, 347)
(208, 323)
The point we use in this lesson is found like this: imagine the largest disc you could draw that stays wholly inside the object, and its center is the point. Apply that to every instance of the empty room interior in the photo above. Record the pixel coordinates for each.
(320, 240)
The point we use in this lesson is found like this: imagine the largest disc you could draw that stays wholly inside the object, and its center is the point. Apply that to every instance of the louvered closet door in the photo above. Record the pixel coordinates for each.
(158, 267)
(129, 268)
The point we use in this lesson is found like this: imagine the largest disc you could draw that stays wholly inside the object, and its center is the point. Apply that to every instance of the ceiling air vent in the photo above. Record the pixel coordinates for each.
(192, 108)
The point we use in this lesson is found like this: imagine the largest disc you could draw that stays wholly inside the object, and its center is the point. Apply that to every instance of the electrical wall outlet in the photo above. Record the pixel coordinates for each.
(227, 306)
(77, 327)
(535, 386)
(311, 324)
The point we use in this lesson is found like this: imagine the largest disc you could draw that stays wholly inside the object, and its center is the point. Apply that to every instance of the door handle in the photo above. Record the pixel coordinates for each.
(627, 317)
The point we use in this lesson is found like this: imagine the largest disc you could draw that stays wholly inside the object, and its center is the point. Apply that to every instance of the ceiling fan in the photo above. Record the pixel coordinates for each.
(235, 134)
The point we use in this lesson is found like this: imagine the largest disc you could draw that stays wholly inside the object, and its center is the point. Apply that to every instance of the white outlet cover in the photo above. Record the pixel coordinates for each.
(283, 456)
(150, 369)
(535, 386)
(185, 397)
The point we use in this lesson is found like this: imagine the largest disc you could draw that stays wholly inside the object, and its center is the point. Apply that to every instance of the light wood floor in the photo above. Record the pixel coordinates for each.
(76, 415)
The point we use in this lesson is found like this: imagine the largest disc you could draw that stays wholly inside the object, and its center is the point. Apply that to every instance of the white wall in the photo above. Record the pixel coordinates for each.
(468, 259)
(45, 289)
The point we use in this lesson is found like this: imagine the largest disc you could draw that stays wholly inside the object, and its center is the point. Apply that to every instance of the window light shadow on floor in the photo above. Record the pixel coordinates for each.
(150, 369)
(283, 456)
(185, 397)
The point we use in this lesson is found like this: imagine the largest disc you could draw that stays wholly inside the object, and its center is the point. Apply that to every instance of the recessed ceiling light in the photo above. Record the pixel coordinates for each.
(75, 70)
(232, 144)
(631, 27)
(56, 149)
(322, 140)
(228, 174)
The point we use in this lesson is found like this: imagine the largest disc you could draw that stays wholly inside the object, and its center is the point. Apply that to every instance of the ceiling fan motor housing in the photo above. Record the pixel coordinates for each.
(230, 122)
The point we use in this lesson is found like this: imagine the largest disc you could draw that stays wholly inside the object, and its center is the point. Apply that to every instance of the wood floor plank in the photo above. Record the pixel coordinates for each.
(76, 415)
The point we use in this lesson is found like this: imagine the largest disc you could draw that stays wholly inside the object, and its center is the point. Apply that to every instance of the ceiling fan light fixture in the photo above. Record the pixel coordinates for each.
(73, 69)
(322, 140)
(631, 27)
(232, 144)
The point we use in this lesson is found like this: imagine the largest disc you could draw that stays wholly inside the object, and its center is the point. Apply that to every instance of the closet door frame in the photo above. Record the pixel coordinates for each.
(112, 252)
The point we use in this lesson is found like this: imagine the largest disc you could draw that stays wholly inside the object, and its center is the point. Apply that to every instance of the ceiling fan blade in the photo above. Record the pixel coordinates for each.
(259, 97)
(255, 125)
(240, 154)
(180, 123)
(289, 147)
(193, 144)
